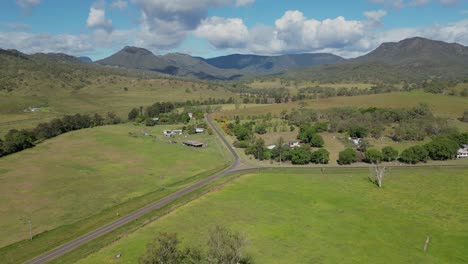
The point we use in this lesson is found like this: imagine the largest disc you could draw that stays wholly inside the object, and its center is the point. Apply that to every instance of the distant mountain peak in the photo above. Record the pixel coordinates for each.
(136, 50)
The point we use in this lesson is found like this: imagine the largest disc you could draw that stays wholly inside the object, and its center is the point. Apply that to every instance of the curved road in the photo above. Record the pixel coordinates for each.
(69, 246)
(237, 166)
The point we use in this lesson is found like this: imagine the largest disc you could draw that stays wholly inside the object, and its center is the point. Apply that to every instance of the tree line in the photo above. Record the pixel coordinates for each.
(18, 140)
(440, 148)
(222, 247)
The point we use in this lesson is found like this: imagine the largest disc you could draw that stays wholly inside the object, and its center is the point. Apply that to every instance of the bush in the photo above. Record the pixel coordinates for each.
(347, 156)
(300, 156)
(389, 154)
(442, 148)
(414, 155)
(321, 156)
(316, 141)
(373, 156)
(260, 129)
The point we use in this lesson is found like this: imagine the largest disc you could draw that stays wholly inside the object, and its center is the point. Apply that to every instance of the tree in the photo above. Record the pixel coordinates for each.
(357, 132)
(378, 173)
(316, 141)
(415, 154)
(225, 247)
(347, 156)
(306, 133)
(279, 147)
(300, 156)
(17, 140)
(373, 156)
(442, 148)
(389, 153)
(132, 115)
(321, 156)
(163, 250)
(260, 129)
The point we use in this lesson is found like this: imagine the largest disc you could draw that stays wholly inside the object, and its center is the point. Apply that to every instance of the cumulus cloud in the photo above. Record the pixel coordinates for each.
(119, 4)
(244, 2)
(33, 43)
(97, 17)
(294, 32)
(223, 32)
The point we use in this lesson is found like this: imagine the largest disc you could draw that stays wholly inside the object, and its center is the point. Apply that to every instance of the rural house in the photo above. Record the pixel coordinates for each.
(463, 152)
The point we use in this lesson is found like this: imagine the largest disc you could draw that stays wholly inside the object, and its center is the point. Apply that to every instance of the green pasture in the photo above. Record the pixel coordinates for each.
(79, 174)
(304, 216)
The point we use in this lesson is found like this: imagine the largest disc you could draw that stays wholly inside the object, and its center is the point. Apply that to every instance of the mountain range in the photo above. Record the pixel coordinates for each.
(225, 67)
(412, 59)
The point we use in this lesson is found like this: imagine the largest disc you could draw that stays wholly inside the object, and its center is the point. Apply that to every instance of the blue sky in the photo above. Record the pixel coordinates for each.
(210, 28)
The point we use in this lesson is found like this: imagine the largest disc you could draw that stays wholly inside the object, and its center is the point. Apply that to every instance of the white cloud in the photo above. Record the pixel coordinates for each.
(165, 24)
(375, 17)
(244, 2)
(97, 17)
(119, 4)
(223, 32)
(27, 5)
(18, 26)
(293, 33)
(33, 43)
(413, 3)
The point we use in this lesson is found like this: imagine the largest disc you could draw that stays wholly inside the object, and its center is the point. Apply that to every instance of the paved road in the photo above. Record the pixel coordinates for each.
(237, 166)
(67, 247)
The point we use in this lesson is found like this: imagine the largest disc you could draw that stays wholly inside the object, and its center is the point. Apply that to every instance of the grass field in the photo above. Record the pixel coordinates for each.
(103, 95)
(108, 168)
(445, 106)
(336, 217)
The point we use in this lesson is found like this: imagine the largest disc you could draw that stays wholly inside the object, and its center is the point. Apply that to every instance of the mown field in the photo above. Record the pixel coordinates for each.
(337, 217)
(104, 94)
(442, 105)
(79, 174)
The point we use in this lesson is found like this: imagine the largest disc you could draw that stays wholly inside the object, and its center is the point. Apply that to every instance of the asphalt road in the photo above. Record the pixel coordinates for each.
(235, 167)
(69, 246)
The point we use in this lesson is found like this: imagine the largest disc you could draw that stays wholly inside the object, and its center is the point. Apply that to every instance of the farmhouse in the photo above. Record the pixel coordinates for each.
(463, 152)
(294, 144)
(169, 133)
(194, 144)
(199, 130)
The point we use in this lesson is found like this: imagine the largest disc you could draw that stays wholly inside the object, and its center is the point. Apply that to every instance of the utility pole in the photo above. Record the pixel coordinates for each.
(30, 228)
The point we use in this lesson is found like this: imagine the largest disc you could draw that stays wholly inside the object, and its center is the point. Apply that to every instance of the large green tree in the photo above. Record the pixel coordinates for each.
(347, 156)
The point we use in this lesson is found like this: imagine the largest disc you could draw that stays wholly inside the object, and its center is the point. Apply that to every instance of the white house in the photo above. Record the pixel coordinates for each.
(462, 152)
(169, 133)
(271, 147)
(190, 115)
(294, 144)
(199, 130)
(177, 132)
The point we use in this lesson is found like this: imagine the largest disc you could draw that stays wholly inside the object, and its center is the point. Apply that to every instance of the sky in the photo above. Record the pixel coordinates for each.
(209, 28)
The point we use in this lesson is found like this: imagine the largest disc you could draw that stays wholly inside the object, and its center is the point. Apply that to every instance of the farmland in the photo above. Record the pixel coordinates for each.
(108, 168)
(304, 216)
(103, 94)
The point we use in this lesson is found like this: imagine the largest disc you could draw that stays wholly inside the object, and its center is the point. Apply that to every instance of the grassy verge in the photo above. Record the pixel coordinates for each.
(117, 234)
(24, 250)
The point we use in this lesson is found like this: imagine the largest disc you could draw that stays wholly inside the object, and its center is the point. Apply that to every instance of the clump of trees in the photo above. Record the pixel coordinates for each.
(223, 246)
(347, 156)
(17, 140)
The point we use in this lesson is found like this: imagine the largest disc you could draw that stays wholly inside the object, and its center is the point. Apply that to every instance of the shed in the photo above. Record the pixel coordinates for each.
(195, 144)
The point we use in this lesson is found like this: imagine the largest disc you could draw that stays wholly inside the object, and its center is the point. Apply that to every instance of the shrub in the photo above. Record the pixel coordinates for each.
(442, 148)
(300, 156)
(414, 155)
(347, 156)
(321, 156)
(373, 156)
(389, 154)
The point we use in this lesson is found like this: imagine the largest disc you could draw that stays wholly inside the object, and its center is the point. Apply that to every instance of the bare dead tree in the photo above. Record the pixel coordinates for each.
(378, 172)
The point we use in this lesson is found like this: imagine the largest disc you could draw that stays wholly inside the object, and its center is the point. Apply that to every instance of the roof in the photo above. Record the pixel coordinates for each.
(193, 143)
